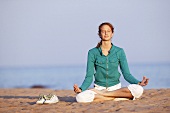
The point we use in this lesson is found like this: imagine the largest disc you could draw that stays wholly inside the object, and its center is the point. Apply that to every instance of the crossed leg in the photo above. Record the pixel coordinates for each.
(110, 95)
(99, 97)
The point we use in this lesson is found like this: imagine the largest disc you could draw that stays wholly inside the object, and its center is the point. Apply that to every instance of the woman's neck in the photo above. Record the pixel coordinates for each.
(106, 45)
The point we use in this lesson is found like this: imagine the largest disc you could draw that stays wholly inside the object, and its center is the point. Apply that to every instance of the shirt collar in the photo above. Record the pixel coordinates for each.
(110, 51)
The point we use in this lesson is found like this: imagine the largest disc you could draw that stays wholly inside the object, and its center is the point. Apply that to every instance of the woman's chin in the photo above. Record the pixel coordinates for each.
(106, 39)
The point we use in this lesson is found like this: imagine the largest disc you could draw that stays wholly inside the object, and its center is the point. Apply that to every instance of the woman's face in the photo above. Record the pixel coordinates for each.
(106, 33)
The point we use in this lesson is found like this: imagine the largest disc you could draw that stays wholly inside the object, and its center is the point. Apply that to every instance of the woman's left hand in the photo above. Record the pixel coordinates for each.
(144, 81)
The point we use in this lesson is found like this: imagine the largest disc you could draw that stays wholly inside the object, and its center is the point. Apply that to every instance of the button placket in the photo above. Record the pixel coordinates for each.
(107, 66)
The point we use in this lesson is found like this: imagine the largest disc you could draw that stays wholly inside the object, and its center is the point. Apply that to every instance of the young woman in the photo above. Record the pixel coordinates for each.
(103, 62)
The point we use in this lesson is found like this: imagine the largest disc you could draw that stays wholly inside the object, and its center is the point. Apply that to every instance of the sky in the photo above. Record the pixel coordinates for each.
(60, 32)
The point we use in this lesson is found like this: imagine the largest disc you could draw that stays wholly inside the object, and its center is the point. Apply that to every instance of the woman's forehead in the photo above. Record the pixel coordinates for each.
(105, 27)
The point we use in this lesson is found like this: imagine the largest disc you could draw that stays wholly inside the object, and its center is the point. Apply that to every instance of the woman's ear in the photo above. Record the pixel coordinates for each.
(112, 34)
(99, 35)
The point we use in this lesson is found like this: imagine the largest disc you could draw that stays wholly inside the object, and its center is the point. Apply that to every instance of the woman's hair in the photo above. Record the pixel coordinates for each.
(99, 31)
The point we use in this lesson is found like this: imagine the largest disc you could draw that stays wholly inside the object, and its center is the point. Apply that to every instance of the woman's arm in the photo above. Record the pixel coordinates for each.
(125, 69)
(89, 71)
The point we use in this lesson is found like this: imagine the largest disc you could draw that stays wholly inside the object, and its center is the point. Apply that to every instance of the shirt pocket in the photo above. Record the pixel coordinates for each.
(100, 62)
(114, 61)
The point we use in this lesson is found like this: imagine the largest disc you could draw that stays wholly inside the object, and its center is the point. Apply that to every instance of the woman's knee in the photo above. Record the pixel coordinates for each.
(136, 90)
(85, 96)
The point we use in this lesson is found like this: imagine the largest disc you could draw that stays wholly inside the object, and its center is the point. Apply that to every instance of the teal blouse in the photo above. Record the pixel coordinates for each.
(105, 68)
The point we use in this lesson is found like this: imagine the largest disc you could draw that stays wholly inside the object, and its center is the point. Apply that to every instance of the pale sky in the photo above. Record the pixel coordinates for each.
(60, 32)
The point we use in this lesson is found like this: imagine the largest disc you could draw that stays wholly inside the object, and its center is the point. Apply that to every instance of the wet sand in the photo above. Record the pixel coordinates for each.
(24, 101)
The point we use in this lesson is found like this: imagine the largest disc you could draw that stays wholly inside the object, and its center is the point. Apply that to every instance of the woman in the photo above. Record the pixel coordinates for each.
(105, 59)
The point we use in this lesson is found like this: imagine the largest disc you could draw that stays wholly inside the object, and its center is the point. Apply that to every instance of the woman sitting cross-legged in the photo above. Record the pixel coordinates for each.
(103, 62)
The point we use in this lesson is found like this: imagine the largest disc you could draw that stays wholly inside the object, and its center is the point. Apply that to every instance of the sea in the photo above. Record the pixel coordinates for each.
(64, 77)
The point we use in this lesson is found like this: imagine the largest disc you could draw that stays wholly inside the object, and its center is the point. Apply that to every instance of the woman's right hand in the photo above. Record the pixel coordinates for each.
(76, 88)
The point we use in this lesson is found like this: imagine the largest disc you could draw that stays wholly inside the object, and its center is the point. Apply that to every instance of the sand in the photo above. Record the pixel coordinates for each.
(24, 101)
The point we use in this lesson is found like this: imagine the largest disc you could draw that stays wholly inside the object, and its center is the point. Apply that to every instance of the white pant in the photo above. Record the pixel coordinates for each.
(112, 88)
(88, 95)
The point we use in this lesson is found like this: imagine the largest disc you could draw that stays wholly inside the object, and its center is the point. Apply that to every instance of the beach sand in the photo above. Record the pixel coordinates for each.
(24, 101)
